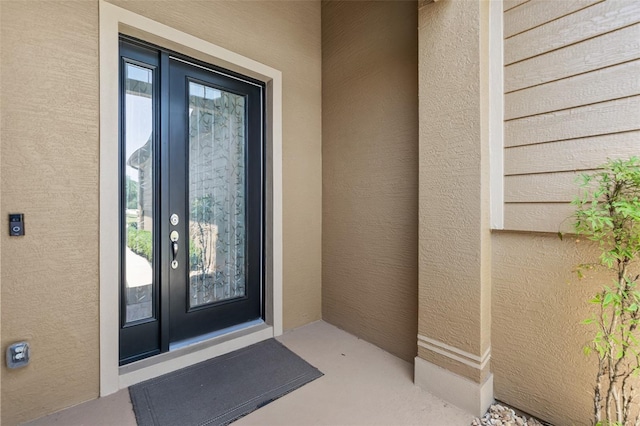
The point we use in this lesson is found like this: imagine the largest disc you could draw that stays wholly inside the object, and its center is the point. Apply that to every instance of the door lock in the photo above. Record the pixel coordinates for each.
(174, 219)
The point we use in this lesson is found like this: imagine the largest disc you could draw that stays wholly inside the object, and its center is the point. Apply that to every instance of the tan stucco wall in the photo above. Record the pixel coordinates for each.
(454, 239)
(49, 162)
(49, 110)
(537, 338)
(370, 171)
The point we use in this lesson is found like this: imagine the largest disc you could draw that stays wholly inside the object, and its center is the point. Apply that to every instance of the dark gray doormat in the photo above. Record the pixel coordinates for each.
(223, 389)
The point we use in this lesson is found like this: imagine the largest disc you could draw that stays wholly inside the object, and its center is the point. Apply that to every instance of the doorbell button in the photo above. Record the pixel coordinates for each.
(16, 224)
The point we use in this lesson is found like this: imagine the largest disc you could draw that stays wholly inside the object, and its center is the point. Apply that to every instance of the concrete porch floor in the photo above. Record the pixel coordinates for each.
(362, 385)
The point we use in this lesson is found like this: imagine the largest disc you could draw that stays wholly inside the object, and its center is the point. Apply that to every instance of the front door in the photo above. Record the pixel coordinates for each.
(192, 200)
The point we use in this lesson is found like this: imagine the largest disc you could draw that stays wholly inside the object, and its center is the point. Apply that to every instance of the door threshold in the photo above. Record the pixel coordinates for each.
(193, 352)
(210, 336)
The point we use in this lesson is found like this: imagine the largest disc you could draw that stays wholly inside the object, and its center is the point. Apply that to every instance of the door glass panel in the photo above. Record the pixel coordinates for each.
(216, 195)
(138, 192)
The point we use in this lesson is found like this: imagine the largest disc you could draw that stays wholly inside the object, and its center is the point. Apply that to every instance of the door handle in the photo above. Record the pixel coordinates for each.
(174, 248)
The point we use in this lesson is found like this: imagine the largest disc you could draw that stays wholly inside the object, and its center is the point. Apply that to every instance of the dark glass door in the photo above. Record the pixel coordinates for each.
(192, 200)
(215, 150)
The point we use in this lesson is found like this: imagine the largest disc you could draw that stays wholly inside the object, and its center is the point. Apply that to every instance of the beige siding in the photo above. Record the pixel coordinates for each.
(584, 24)
(541, 188)
(614, 82)
(510, 4)
(572, 100)
(536, 13)
(573, 154)
(370, 171)
(572, 83)
(620, 115)
(544, 217)
(599, 52)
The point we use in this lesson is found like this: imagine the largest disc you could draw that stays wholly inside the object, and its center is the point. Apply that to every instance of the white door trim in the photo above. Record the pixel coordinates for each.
(496, 113)
(113, 21)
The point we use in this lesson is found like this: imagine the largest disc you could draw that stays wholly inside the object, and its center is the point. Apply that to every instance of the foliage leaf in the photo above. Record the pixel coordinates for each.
(608, 213)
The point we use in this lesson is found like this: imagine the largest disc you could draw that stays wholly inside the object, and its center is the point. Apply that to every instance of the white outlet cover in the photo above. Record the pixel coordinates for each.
(18, 355)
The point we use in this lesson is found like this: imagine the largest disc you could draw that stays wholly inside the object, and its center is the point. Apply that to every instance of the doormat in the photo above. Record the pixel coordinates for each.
(223, 389)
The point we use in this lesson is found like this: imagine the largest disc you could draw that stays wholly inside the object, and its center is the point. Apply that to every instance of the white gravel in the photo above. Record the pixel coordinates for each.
(499, 415)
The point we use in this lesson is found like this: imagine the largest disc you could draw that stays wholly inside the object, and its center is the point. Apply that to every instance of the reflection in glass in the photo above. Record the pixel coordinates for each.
(216, 195)
(138, 195)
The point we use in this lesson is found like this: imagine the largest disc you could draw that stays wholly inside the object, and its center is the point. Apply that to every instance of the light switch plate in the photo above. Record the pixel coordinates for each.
(18, 355)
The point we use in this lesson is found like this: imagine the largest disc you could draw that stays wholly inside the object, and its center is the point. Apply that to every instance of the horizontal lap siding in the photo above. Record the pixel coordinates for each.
(574, 154)
(510, 4)
(582, 25)
(541, 188)
(537, 13)
(572, 100)
(540, 217)
(603, 51)
(619, 81)
(620, 115)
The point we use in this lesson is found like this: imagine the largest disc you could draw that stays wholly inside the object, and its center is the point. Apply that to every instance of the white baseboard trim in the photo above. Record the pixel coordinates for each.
(454, 353)
(459, 391)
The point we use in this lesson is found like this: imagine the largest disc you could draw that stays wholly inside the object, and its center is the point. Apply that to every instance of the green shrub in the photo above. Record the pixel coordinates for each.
(140, 242)
(609, 214)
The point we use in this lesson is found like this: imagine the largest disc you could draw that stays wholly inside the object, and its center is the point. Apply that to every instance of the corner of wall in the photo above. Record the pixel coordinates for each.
(370, 171)
(455, 205)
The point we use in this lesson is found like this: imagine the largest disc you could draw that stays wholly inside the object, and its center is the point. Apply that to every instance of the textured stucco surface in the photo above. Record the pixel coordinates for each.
(49, 107)
(370, 171)
(454, 240)
(49, 148)
(537, 339)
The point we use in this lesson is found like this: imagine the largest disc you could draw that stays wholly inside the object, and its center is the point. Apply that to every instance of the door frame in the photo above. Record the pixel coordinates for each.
(114, 21)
